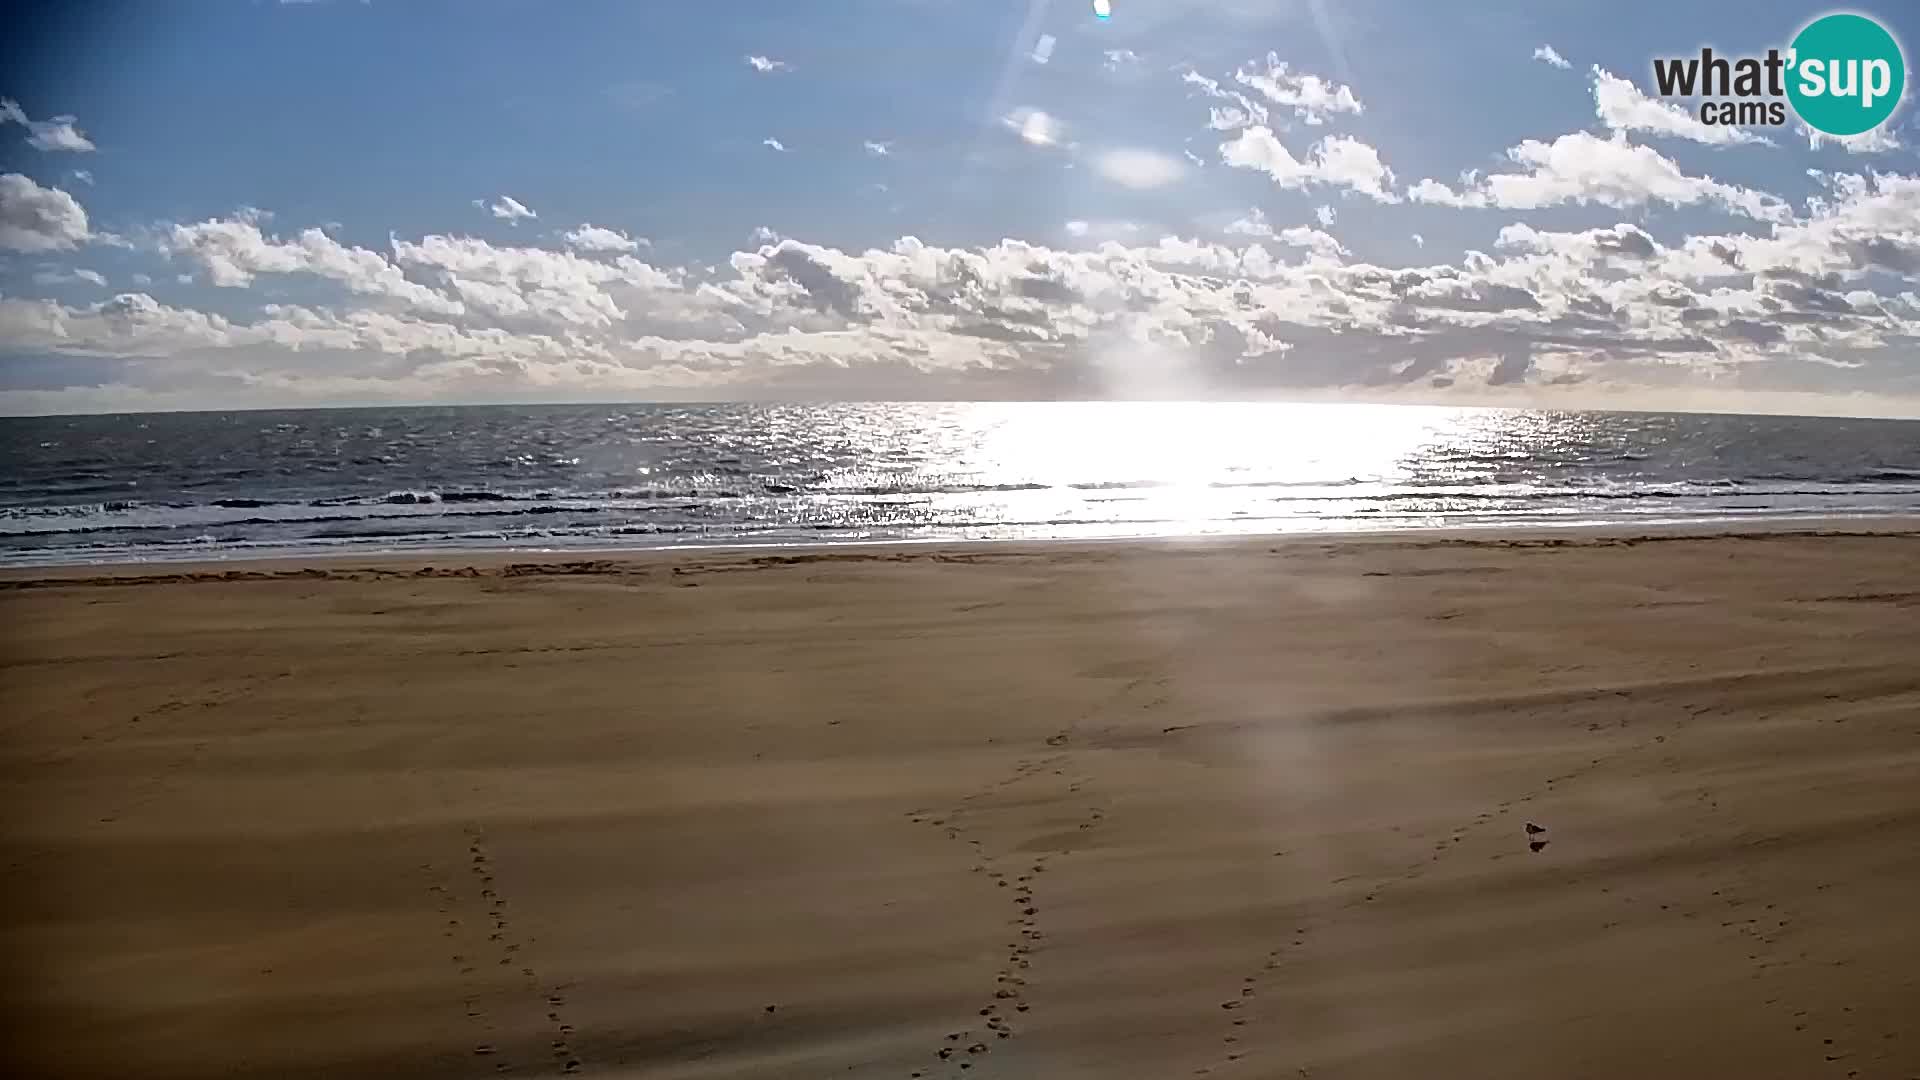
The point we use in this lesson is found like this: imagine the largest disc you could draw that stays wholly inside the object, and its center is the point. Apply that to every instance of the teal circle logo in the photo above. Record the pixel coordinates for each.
(1846, 74)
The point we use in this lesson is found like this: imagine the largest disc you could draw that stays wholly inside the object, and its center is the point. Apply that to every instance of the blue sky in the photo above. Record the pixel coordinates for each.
(344, 202)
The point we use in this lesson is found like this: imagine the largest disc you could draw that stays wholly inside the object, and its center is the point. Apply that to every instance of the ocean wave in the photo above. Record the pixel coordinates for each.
(925, 489)
(666, 499)
(118, 506)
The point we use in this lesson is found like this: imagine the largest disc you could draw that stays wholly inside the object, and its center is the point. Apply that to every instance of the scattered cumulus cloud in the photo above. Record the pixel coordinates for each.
(82, 176)
(1337, 161)
(774, 144)
(1622, 107)
(1270, 309)
(1316, 241)
(1254, 224)
(1584, 169)
(595, 238)
(68, 277)
(1240, 110)
(1793, 293)
(1547, 54)
(507, 209)
(233, 252)
(53, 133)
(1880, 140)
(35, 218)
(1312, 98)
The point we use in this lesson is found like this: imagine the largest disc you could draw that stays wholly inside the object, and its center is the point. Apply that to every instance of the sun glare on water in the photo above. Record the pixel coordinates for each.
(1200, 467)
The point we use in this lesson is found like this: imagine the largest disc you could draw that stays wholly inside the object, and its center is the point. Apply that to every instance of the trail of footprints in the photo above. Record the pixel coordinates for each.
(502, 948)
(1237, 1008)
(1015, 875)
(1758, 929)
(1760, 924)
(1251, 984)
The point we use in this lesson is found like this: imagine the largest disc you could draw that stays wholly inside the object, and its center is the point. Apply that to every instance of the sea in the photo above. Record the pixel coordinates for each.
(212, 485)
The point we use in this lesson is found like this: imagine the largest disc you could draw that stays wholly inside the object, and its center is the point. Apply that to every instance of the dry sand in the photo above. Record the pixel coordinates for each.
(1242, 810)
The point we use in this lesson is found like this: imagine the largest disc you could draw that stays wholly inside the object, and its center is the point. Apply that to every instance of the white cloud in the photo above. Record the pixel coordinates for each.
(1116, 59)
(1266, 311)
(774, 144)
(506, 208)
(1867, 224)
(595, 238)
(127, 324)
(1419, 241)
(1624, 241)
(768, 66)
(35, 218)
(83, 176)
(1325, 215)
(1254, 224)
(142, 280)
(68, 277)
(1242, 111)
(1622, 107)
(1139, 169)
(1582, 168)
(535, 285)
(878, 149)
(54, 133)
(1322, 244)
(1880, 140)
(1336, 160)
(1311, 97)
(234, 251)
(1549, 55)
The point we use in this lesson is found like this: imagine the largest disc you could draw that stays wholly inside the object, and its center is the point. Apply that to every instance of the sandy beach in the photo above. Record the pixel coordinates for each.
(1494, 808)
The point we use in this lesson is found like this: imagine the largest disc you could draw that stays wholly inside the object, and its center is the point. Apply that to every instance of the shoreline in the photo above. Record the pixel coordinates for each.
(613, 559)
